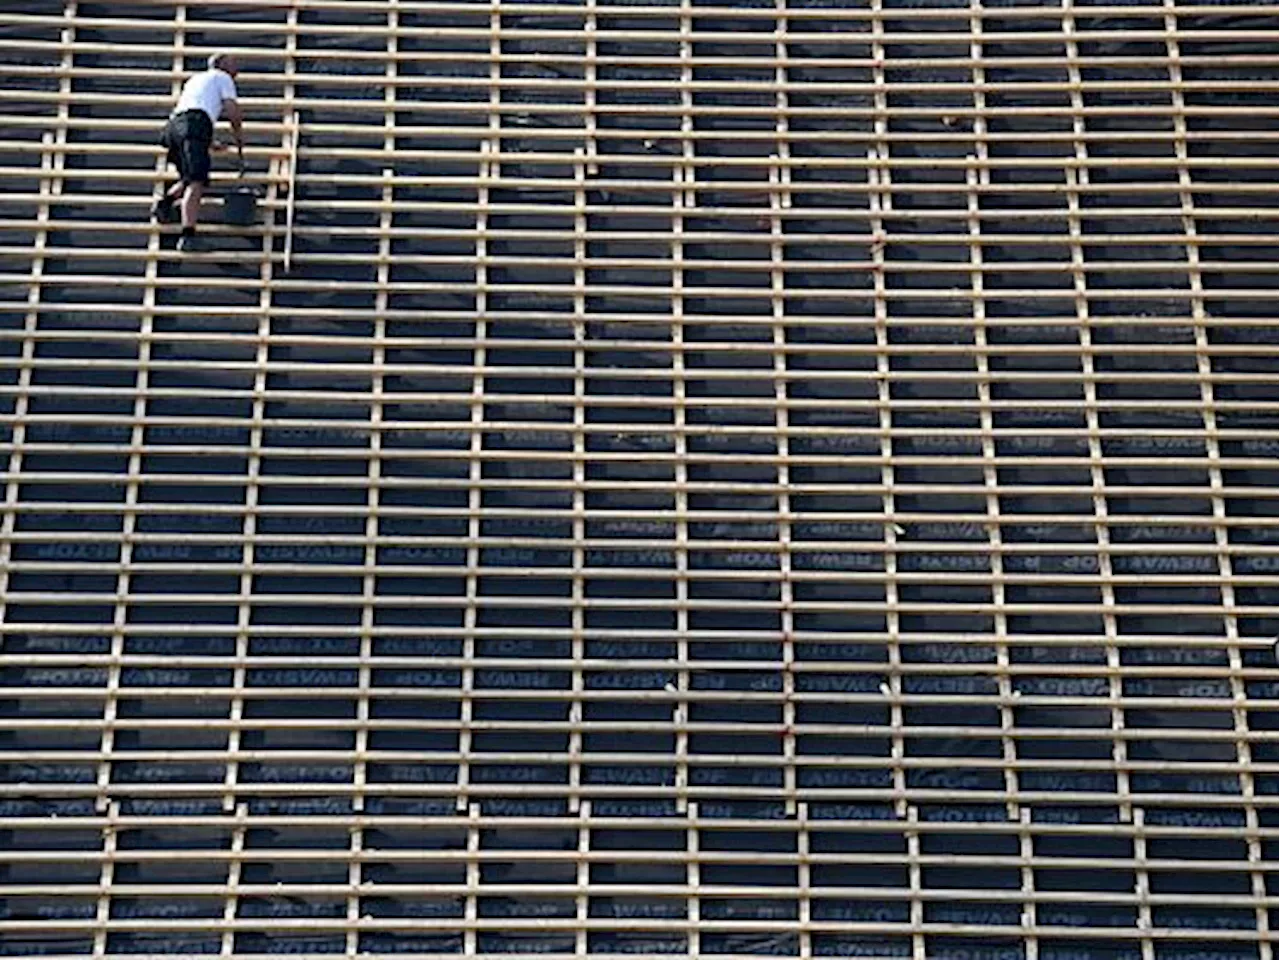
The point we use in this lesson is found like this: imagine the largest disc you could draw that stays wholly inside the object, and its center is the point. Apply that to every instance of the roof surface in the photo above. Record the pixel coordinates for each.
(777, 478)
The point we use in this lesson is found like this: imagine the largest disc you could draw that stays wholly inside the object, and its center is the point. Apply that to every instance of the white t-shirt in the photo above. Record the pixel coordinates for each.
(206, 91)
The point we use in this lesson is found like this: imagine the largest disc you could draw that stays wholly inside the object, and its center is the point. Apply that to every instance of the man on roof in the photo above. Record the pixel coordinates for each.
(188, 135)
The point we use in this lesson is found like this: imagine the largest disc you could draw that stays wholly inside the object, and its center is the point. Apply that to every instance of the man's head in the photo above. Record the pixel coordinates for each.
(225, 62)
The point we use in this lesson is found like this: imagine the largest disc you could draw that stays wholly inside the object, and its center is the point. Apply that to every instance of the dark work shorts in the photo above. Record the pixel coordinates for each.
(188, 137)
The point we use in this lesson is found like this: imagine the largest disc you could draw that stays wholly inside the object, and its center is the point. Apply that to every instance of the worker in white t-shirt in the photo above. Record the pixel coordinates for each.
(206, 98)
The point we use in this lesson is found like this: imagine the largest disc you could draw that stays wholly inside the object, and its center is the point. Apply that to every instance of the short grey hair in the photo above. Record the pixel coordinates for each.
(217, 60)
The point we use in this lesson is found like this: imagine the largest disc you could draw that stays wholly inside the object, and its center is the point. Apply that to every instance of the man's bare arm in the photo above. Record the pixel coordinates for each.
(231, 108)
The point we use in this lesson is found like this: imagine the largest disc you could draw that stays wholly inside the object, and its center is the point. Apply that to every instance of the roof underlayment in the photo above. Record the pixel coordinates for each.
(785, 477)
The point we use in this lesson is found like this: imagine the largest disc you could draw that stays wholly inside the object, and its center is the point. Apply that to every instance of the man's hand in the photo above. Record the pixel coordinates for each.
(220, 146)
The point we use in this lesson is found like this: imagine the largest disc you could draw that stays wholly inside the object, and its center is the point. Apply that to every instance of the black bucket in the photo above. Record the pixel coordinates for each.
(240, 207)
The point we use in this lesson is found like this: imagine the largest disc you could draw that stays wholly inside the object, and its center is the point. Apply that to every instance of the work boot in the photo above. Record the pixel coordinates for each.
(164, 211)
(189, 243)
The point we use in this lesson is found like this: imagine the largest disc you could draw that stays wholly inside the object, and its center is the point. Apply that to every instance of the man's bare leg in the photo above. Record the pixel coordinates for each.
(191, 205)
(190, 215)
